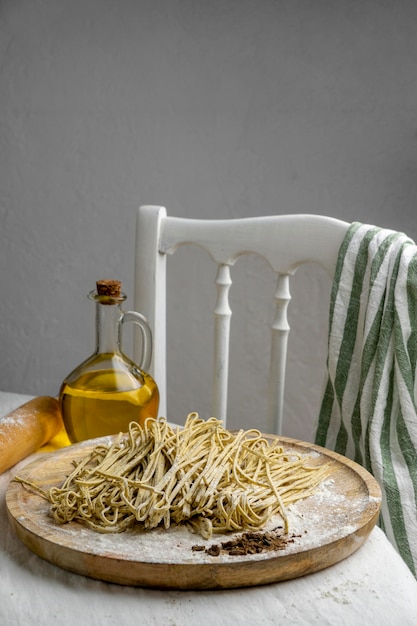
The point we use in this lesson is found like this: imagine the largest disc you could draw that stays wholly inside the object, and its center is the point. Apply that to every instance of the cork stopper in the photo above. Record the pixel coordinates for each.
(110, 288)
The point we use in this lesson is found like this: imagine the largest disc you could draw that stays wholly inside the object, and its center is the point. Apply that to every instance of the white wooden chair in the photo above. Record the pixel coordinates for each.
(285, 241)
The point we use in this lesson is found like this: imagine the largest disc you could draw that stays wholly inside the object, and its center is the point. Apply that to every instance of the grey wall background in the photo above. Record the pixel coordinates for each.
(224, 108)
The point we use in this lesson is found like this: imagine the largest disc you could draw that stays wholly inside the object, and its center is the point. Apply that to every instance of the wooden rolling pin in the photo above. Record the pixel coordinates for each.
(27, 428)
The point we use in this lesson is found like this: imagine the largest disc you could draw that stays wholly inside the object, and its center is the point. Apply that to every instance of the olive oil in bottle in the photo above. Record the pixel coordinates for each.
(108, 390)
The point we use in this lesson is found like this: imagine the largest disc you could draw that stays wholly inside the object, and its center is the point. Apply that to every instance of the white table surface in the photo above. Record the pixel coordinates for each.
(371, 586)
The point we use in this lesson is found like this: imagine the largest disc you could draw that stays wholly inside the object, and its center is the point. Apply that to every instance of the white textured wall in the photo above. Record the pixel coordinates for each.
(220, 108)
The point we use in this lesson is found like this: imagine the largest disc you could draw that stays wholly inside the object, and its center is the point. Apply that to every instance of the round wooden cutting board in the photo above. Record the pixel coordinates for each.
(324, 529)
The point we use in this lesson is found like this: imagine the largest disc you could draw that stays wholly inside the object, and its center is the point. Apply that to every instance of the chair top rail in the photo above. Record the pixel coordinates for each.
(302, 238)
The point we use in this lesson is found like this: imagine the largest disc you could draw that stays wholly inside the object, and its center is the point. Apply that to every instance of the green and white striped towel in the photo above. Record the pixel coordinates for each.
(369, 407)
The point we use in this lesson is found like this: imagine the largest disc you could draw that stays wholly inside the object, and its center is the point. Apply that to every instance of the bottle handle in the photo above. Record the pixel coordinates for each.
(141, 321)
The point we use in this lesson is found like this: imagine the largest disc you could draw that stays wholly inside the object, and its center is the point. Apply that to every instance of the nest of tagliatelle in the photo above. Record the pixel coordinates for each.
(200, 475)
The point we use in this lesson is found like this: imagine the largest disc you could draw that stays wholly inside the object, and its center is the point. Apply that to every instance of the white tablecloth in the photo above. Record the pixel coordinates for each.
(371, 586)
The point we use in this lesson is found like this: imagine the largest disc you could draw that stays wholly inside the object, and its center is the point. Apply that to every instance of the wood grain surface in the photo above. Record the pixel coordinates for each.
(324, 529)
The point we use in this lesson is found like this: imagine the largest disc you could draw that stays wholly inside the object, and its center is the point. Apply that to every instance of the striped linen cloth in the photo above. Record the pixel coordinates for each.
(369, 409)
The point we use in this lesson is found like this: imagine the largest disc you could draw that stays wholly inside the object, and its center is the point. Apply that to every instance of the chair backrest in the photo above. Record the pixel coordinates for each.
(284, 241)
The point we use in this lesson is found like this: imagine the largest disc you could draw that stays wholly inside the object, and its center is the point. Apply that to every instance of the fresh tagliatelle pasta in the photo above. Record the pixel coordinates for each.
(200, 475)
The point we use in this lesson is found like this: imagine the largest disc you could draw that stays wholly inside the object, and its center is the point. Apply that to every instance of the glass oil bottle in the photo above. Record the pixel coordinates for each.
(108, 390)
